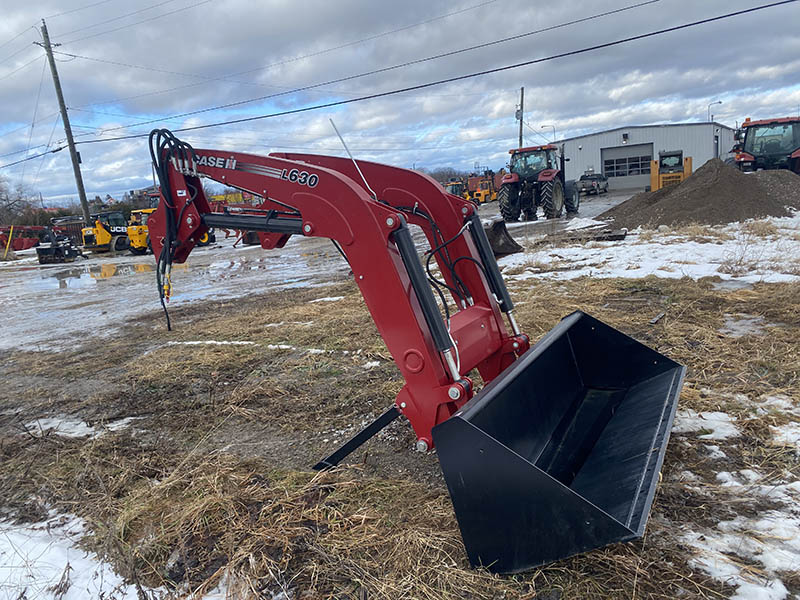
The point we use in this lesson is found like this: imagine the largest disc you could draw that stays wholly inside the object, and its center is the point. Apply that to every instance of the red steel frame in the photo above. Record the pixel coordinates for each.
(340, 206)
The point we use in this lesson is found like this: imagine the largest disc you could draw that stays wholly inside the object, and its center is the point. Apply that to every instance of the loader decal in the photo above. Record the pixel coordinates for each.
(216, 161)
(292, 175)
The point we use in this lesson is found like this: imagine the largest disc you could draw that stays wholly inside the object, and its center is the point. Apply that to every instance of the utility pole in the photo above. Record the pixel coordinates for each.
(76, 168)
(520, 112)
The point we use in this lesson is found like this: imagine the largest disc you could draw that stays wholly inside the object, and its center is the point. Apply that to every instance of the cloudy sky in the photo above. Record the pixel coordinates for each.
(127, 67)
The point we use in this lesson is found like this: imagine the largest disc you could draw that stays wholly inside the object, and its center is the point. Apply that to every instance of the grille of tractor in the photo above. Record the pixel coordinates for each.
(671, 180)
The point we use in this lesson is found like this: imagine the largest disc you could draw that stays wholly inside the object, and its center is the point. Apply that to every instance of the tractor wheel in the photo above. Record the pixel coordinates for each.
(508, 198)
(204, 240)
(572, 199)
(552, 198)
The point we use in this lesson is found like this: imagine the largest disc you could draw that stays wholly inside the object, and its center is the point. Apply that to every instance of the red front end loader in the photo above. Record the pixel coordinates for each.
(561, 450)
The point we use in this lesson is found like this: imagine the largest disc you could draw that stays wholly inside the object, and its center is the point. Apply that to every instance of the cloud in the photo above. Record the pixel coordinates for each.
(226, 52)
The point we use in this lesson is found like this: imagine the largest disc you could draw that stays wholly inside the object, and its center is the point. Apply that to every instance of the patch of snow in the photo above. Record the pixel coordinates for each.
(742, 258)
(282, 323)
(69, 427)
(778, 403)
(316, 351)
(787, 435)
(721, 424)
(740, 325)
(62, 426)
(42, 560)
(328, 299)
(372, 364)
(727, 479)
(715, 453)
(280, 347)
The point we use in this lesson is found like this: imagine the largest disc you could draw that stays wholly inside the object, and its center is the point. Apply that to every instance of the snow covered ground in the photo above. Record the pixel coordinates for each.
(750, 553)
(768, 251)
(43, 561)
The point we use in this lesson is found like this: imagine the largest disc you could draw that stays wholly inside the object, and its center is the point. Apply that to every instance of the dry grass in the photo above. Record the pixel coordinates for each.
(180, 504)
(703, 234)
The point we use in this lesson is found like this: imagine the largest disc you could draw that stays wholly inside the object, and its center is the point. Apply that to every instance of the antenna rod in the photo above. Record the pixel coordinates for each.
(364, 179)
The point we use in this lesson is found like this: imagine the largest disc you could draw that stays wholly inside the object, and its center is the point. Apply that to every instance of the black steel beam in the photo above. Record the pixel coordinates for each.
(270, 224)
(357, 440)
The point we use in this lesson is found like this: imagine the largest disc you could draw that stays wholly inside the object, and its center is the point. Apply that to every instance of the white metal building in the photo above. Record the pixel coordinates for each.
(624, 154)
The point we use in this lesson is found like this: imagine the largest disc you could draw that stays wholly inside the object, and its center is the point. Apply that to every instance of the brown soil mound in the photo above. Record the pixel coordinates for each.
(783, 185)
(715, 194)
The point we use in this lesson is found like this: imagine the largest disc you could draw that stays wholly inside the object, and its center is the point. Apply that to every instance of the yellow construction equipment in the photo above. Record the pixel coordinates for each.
(139, 235)
(482, 188)
(108, 232)
(457, 187)
(670, 169)
(137, 230)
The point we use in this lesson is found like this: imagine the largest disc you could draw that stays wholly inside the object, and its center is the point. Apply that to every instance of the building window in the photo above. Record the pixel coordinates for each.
(627, 167)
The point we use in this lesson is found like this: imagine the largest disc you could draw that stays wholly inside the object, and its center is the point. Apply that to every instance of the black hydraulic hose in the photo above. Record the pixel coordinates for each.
(166, 148)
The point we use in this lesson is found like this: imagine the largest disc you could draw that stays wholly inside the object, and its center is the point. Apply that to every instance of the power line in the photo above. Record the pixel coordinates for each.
(397, 66)
(279, 63)
(19, 35)
(49, 141)
(33, 119)
(455, 78)
(27, 64)
(66, 12)
(35, 156)
(440, 81)
(10, 56)
(130, 14)
(166, 14)
(26, 125)
(536, 132)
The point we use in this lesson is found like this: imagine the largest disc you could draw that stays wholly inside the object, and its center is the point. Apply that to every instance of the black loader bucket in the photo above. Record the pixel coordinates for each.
(561, 453)
(500, 240)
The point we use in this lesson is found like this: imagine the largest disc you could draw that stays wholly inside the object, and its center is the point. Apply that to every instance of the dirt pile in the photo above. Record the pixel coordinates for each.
(715, 194)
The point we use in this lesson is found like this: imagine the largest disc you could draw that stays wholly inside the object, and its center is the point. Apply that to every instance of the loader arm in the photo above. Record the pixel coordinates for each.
(322, 196)
(559, 453)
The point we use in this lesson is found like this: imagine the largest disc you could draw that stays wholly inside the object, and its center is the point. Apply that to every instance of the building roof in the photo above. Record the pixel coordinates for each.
(656, 126)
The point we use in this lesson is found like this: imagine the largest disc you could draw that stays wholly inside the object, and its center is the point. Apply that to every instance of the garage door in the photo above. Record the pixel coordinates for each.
(627, 166)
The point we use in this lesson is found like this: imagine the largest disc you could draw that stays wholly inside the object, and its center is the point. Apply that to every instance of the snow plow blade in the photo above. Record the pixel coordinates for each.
(561, 453)
(499, 239)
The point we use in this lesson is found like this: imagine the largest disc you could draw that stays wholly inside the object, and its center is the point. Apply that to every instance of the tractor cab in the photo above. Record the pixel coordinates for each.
(770, 144)
(108, 232)
(670, 162)
(528, 162)
(455, 187)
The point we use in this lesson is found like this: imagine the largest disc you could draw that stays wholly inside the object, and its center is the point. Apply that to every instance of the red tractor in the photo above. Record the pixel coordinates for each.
(769, 144)
(536, 178)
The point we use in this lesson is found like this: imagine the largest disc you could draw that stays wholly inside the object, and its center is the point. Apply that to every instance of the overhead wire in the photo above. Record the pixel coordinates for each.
(443, 81)
(16, 37)
(300, 57)
(33, 119)
(166, 14)
(27, 64)
(539, 133)
(67, 12)
(39, 120)
(10, 56)
(49, 141)
(400, 65)
(454, 78)
(130, 14)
